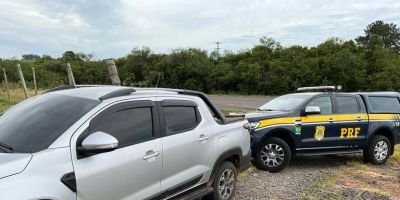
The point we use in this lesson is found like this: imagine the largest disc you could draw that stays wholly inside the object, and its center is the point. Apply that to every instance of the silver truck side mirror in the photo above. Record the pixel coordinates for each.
(98, 142)
(312, 110)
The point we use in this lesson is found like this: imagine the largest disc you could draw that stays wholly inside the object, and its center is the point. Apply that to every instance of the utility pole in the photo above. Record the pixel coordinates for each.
(113, 72)
(21, 76)
(218, 48)
(34, 80)
(70, 74)
(6, 84)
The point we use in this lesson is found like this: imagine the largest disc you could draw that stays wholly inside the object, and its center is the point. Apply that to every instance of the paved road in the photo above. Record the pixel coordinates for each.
(239, 103)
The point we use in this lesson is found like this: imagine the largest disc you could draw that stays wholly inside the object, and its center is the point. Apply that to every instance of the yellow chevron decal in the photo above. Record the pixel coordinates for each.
(325, 118)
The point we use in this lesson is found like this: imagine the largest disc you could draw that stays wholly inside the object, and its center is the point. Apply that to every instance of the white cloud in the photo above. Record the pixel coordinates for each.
(111, 28)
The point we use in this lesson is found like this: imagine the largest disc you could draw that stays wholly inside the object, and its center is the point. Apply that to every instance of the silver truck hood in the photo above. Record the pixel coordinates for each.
(13, 163)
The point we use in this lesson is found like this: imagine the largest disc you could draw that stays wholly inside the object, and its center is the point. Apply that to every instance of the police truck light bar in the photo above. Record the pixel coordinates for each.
(317, 89)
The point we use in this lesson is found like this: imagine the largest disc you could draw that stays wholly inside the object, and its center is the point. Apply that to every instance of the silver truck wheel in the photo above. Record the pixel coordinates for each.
(225, 182)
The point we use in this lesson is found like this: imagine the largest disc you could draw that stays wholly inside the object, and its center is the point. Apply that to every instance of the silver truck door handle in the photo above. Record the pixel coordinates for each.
(202, 138)
(360, 118)
(330, 120)
(151, 154)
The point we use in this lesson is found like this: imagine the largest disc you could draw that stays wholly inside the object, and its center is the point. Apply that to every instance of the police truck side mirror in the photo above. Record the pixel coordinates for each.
(312, 110)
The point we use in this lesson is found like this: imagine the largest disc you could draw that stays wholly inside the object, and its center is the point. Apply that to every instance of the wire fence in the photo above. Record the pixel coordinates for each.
(21, 83)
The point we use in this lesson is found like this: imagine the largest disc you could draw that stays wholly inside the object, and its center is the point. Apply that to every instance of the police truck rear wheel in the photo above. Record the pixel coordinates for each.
(273, 156)
(378, 150)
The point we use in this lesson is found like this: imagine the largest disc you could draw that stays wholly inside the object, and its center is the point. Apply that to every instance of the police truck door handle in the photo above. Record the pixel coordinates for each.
(359, 118)
(330, 120)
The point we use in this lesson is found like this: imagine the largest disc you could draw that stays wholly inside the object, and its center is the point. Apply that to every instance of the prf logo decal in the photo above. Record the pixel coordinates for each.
(349, 132)
(319, 133)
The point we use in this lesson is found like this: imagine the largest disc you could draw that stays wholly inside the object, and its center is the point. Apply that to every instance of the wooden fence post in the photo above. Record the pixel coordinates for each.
(34, 80)
(21, 76)
(71, 77)
(113, 72)
(6, 84)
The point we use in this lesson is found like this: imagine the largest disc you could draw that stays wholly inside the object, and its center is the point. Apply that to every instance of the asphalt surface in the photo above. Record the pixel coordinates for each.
(239, 103)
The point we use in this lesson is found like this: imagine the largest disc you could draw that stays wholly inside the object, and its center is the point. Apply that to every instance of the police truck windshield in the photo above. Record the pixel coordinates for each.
(285, 103)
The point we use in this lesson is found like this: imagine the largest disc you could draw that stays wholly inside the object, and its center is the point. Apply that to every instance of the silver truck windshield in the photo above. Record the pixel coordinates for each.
(33, 125)
(285, 103)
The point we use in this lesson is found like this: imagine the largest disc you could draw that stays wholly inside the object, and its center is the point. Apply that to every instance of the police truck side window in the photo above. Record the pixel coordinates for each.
(385, 104)
(347, 105)
(180, 118)
(324, 103)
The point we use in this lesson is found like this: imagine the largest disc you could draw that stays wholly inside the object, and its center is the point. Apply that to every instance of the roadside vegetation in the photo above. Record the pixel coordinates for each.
(370, 62)
(356, 180)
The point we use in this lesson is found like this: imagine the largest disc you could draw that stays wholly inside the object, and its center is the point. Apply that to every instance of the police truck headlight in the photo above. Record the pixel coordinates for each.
(254, 125)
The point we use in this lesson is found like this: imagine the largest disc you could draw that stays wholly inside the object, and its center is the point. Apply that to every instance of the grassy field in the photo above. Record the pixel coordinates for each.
(357, 180)
(17, 95)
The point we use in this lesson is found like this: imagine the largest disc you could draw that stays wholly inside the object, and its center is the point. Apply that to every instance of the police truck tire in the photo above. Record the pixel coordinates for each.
(224, 182)
(378, 150)
(273, 156)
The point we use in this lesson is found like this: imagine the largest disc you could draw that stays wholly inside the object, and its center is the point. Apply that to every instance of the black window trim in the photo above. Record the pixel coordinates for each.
(360, 110)
(123, 106)
(176, 103)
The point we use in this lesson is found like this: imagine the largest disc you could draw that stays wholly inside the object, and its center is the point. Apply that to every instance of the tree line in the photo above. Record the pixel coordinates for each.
(370, 62)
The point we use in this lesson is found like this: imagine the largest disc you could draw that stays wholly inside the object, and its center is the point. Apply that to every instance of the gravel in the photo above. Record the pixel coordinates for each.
(295, 182)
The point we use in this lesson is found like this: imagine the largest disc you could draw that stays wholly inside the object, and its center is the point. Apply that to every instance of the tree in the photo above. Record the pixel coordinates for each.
(70, 56)
(387, 33)
(30, 57)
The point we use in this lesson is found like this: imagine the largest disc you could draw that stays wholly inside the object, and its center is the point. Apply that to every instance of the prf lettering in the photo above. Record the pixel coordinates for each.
(349, 132)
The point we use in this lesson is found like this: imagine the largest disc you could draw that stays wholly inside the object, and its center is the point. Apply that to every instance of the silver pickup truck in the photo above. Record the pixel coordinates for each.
(109, 142)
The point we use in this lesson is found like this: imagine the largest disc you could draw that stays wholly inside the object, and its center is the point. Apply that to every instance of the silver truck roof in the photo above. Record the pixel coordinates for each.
(96, 92)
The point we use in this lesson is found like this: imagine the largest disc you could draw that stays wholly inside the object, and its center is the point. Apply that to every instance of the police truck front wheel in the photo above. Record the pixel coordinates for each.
(273, 156)
(378, 150)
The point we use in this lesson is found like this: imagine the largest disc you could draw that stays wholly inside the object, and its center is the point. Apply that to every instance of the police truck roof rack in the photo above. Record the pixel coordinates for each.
(317, 89)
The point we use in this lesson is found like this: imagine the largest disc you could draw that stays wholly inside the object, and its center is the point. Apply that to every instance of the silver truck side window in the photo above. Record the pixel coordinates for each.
(129, 126)
(324, 103)
(180, 118)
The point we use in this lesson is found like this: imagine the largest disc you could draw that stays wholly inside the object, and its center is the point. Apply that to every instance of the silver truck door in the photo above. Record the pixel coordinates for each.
(187, 144)
(133, 170)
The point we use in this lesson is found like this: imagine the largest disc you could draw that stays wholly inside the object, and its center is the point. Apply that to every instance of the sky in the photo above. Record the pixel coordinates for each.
(112, 28)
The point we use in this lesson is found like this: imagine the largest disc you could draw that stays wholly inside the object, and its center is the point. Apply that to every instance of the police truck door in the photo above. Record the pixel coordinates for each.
(318, 130)
(353, 120)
